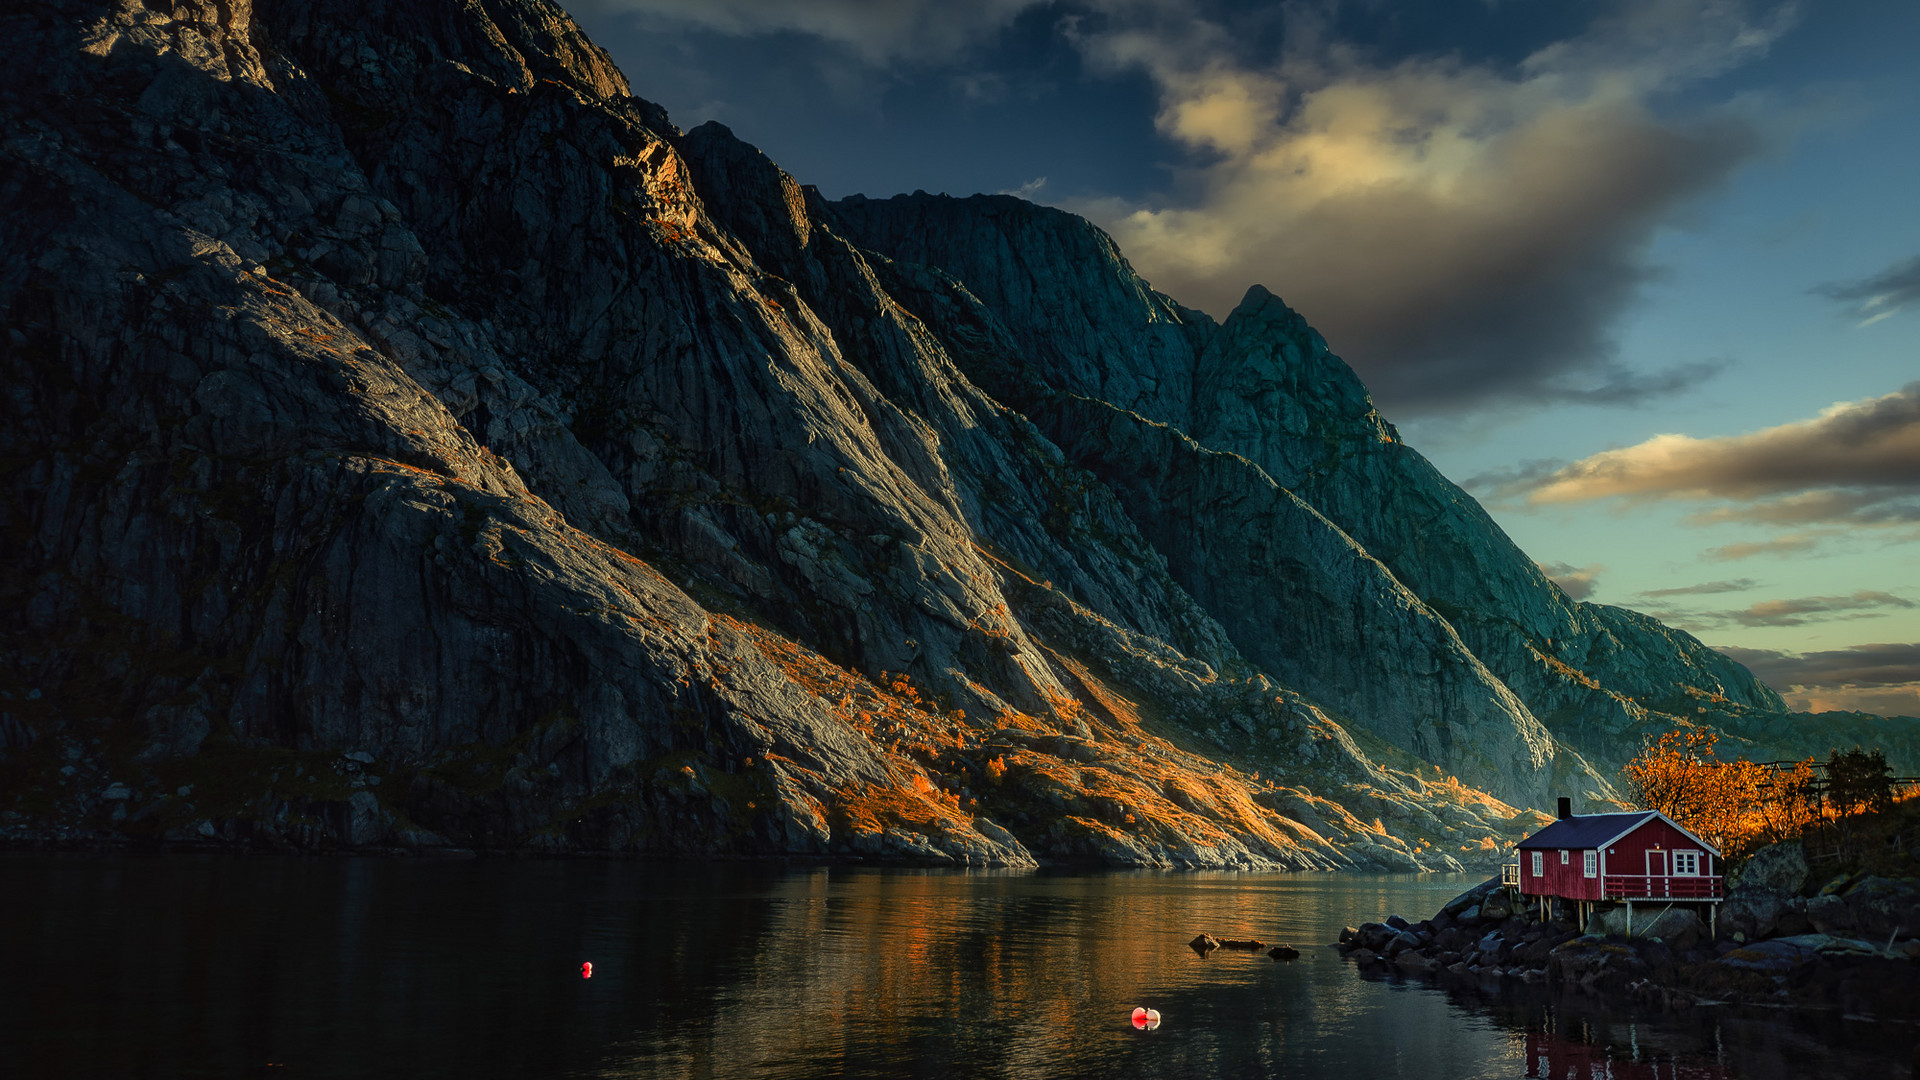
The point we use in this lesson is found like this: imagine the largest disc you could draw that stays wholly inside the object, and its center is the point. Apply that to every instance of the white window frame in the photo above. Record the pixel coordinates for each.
(1590, 863)
(1563, 856)
(1690, 860)
(1539, 863)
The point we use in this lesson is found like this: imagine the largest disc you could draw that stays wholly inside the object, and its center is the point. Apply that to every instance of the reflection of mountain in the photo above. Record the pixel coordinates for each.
(865, 973)
(416, 440)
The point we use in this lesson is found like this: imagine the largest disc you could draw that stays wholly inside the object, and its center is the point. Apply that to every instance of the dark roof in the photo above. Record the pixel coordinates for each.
(1585, 830)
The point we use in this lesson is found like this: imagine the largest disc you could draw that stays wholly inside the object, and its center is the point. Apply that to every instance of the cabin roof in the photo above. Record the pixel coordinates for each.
(1586, 830)
(1599, 830)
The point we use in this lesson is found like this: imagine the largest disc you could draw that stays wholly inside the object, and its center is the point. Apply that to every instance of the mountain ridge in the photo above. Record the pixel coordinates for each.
(418, 442)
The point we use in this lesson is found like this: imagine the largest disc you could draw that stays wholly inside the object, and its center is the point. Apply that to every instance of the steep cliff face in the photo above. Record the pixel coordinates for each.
(415, 440)
(1264, 387)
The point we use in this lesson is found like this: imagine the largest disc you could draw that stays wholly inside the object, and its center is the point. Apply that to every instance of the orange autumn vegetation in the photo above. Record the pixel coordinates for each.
(909, 731)
(1736, 805)
(1115, 782)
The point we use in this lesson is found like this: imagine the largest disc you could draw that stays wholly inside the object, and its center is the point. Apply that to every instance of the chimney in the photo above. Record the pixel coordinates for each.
(1566, 808)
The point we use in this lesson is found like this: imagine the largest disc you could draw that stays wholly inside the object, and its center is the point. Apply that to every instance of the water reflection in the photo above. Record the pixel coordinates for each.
(359, 967)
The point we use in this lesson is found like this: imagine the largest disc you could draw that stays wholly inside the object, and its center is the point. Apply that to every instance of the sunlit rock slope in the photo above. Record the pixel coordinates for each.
(413, 440)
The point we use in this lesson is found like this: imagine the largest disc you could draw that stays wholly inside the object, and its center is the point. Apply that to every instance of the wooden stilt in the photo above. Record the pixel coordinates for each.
(1629, 918)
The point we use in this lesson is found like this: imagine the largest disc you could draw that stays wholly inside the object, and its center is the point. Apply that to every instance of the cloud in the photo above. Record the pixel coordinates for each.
(1886, 701)
(1460, 234)
(1578, 582)
(1027, 190)
(1856, 463)
(1806, 609)
(1747, 549)
(1879, 678)
(1797, 611)
(1813, 507)
(878, 32)
(1881, 296)
(1708, 589)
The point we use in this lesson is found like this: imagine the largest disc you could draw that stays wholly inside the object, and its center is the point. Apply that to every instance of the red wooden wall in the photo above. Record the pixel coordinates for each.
(1629, 854)
(1563, 880)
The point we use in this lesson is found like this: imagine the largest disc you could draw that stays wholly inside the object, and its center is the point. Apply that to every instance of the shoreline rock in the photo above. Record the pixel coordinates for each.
(1671, 961)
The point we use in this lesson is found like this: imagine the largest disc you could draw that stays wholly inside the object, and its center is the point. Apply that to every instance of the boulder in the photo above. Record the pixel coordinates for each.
(1398, 923)
(1374, 935)
(1496, 905)
(1792, 918)
(1284, 952)
(1773, 957)
(1753, 912)
(1413, 963)
(1779, 868)
(1203, 944)
(1471, 898)
(1828, 914)
(1347, 934)
(1401, 942)
(1884, 909)
(1677, 926)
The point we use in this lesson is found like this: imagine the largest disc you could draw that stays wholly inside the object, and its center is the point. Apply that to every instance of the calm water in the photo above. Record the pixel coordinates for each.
(212, 966)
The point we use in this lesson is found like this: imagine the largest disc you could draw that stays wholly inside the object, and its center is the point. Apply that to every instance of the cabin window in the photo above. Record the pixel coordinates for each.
(1539, 864)
(1563, 856)
(1590, 861)
(1686, 863)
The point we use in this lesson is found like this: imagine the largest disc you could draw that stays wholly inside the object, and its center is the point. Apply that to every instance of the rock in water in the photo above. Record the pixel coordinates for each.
(1203, 944)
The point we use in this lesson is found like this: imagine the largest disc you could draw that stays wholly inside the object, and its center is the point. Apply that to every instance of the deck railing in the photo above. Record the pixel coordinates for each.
(1657, 887)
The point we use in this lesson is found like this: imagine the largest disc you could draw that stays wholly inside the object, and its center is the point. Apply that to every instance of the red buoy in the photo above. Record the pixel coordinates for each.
(586, 971)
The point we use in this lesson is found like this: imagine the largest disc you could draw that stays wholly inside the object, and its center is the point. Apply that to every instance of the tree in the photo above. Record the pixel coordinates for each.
(1857, 780)
(1736, 805)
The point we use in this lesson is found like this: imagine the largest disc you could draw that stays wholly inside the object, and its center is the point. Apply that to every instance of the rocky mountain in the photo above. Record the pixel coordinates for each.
(414, 440)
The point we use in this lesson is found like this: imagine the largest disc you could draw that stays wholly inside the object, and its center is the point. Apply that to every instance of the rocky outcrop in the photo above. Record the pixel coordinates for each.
(1264, 387)
(1854, 945)
(415, 440)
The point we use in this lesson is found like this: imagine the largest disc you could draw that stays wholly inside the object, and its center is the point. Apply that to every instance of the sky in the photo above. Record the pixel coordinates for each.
(1642, 275)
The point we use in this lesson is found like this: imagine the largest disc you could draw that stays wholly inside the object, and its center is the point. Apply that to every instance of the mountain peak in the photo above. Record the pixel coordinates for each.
(417, 442)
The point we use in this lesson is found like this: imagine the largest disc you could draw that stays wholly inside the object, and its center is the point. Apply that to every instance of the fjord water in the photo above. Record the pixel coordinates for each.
(310, 967)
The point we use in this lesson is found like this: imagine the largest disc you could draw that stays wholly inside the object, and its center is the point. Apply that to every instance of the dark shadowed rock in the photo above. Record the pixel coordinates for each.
(1749, 912)
(1779, 868)
(415, 440)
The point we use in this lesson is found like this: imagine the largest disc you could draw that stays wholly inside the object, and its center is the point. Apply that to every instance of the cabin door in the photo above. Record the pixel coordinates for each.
(1657, 873)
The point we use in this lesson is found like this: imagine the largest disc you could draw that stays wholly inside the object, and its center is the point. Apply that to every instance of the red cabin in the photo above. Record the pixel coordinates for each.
(1644, 855)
